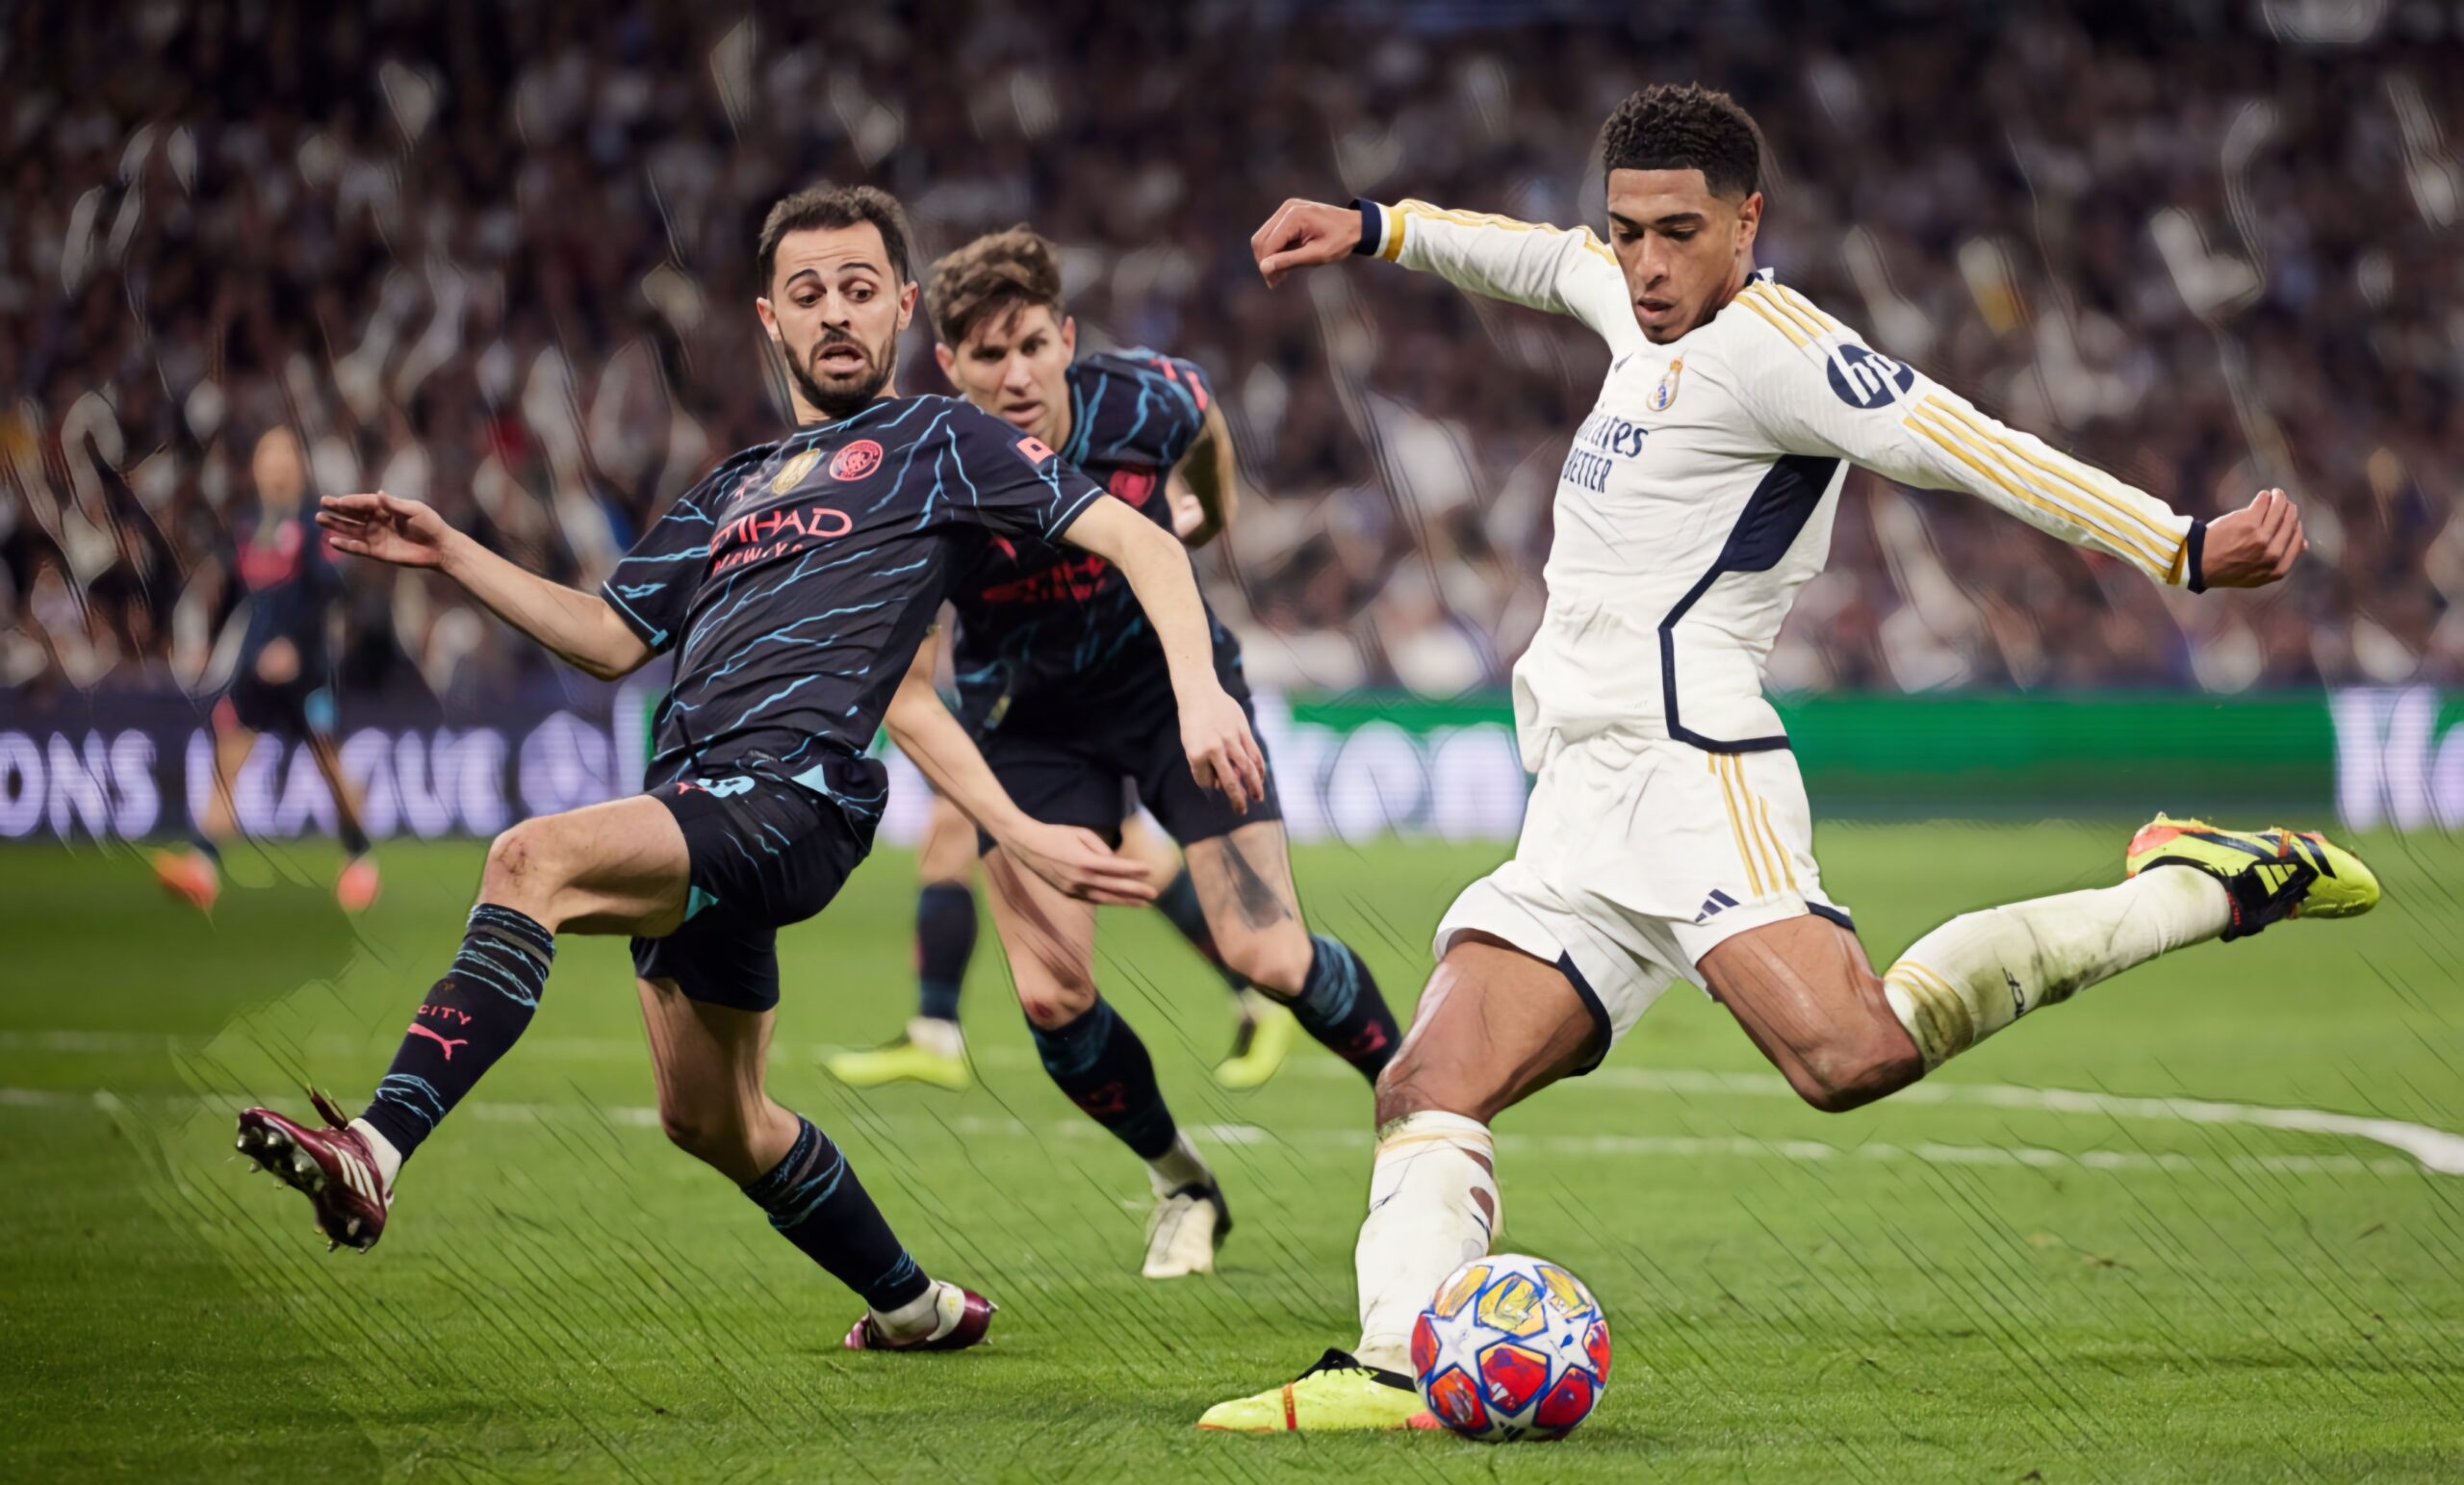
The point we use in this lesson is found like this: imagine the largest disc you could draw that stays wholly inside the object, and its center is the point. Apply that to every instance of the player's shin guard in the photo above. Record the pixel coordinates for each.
(1104, 1069)
(817, 1203)
(1432, 1208)
(1340, 1006)
(1178, 903)
(471, 1018)
(1981, 971)
(944, 942)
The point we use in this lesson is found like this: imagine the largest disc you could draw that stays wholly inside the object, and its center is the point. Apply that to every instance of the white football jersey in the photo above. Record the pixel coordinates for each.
(1699, 494)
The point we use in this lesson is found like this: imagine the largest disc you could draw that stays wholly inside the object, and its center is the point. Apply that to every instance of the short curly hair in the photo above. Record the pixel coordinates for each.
(821, 208)
(1671, 126)
(994, 276)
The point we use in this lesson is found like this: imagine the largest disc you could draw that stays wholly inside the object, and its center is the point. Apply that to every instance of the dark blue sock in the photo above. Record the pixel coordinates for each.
(944, 942)
(816, 1201)
(471, 1018)
(1179, 904)
(207, 848)
(1340, 1006)
(1104, 1069)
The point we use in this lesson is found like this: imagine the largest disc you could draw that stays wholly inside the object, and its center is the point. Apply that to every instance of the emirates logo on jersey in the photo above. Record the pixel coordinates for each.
(856, 461)
(779, 532)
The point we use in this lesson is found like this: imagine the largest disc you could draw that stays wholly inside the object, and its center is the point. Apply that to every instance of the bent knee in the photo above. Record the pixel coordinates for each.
(1835, 1079)
(1277, 964)
(1417, 1084)
(698, 1133)
(524, 855)
(1057, 1001)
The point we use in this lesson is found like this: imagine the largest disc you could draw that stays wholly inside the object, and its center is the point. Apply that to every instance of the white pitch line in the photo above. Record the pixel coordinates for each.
(1678, 1146)
(2438, 1150)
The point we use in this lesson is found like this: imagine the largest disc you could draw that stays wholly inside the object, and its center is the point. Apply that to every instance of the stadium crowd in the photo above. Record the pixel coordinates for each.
(499, 257)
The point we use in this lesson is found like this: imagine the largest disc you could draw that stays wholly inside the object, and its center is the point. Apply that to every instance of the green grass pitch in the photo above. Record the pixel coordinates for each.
(1971, 1283)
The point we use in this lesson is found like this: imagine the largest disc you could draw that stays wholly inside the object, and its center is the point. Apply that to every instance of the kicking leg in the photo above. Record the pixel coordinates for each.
(1843, 1037)
(612, 868)
(1096, 1060)
(1494, 1027)
(932, 1049)
(1244, 880)
(709, 1062)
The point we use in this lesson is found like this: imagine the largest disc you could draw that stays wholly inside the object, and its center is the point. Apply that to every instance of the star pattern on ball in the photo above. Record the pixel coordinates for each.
(1561, 1338)
(1460, 1335)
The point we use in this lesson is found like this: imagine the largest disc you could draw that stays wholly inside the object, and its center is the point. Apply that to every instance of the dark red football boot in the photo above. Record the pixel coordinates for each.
(975, 1317)
(333, 1168)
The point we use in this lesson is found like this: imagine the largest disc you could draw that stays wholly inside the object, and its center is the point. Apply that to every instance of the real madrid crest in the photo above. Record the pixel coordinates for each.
(793, 473)
(1666, 391)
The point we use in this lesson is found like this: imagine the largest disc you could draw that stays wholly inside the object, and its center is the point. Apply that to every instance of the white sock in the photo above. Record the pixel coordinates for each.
(941, 1038)
(1178, 1167)
(1981, 971)
(924, 1315)
(388, 1159)
(1432, 1208)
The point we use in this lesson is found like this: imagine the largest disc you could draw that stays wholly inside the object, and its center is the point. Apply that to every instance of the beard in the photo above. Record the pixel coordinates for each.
(844, 395)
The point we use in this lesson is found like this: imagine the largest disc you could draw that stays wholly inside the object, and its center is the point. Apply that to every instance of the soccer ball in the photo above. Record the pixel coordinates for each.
(1512, 1347)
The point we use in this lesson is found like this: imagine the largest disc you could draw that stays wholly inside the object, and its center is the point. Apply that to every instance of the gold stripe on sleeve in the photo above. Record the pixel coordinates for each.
(2162, 537)
(1774, 320)
(1811, 327)
(1806, 305)
(2006, 481)
(1591, 243)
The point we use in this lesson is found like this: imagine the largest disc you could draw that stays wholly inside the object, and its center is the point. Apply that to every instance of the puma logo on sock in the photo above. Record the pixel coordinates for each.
(418, 1030)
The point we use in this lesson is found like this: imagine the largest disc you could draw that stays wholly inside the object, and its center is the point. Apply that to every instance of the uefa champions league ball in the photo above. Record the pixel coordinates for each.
(1512, 1347)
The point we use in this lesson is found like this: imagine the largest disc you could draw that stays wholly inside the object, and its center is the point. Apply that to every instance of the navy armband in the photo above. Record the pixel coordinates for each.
(1372, 228)
(2195, 556)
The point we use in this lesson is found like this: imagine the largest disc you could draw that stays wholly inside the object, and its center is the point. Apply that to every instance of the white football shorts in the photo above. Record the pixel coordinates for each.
(1637, 857)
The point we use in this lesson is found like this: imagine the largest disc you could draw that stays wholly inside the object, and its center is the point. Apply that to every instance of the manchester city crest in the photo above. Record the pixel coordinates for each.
(1666, 391)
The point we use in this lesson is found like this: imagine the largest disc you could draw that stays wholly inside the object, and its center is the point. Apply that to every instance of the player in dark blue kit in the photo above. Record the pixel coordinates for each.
(793, 586)
(1061, 684)
(283, 681)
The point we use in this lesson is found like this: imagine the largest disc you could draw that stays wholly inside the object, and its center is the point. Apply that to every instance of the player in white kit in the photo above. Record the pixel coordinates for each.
(1668, 836)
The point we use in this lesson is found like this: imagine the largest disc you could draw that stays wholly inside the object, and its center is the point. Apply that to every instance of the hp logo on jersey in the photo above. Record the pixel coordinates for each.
(1867, 378)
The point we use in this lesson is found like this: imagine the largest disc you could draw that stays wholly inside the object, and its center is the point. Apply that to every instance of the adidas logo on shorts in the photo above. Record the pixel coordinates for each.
(1713, 904)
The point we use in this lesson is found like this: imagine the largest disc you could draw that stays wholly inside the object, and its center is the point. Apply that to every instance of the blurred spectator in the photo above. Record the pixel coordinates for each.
(500, 258)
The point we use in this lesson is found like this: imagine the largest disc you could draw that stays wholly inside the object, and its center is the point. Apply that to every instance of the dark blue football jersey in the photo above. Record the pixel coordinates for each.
(1044, 631)
(291, 583)
(796, 582)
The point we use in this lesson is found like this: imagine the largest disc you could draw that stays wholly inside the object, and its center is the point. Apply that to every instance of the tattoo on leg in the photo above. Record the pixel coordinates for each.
(1261, 905)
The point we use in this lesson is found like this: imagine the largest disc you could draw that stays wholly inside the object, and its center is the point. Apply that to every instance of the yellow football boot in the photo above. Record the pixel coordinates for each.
(1339, 1394)
(931, 1052)
(1266, 1037)
(2269, 875)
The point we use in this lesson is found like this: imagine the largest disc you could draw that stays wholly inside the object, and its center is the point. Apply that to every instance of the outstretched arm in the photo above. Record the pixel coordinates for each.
(1071, 857)
(1815, 390)
(1564, 273)
(1214, 731)
(581, 629)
